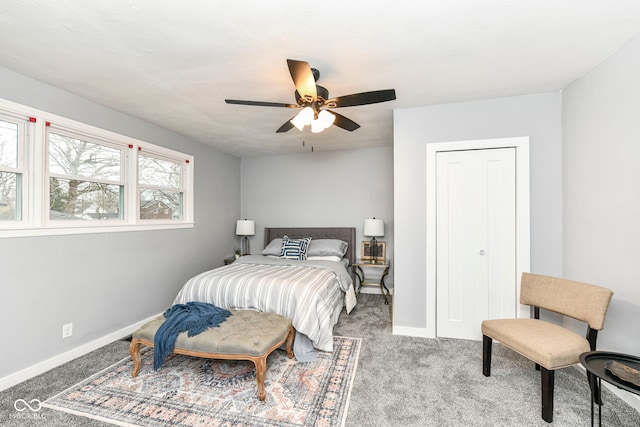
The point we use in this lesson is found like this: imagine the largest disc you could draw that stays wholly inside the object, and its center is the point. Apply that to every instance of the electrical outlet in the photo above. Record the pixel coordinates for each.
(67, 330)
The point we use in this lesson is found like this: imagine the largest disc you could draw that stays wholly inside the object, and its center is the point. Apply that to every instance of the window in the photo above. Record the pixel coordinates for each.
(85, 178)
(11, 168)
(58, 176)
(160, 188)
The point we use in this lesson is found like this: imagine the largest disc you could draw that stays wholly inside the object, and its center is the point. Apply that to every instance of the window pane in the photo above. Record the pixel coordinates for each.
(70, 156)
(159, 173)
(159, 204)
(74, 199)
(8, 144)
(9, 191)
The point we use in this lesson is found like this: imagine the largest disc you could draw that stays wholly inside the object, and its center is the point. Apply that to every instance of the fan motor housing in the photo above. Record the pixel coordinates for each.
(322, 94)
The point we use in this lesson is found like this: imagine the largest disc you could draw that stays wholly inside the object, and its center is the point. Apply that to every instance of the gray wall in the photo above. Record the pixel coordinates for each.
(536, 116)
(602, 189)
(105, 282)
(320, 189)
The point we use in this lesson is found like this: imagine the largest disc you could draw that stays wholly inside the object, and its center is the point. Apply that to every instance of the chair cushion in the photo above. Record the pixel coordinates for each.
(545, 343)
(244, 332)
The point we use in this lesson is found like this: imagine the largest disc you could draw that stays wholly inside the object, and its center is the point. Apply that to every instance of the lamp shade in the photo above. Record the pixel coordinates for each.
(245, 227)
(373, 227)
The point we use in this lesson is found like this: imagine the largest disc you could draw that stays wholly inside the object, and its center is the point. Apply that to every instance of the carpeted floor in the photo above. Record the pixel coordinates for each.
(406, 381)
(400, 381)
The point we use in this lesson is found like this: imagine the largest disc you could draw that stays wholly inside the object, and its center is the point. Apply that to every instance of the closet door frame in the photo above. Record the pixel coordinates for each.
(521, 144)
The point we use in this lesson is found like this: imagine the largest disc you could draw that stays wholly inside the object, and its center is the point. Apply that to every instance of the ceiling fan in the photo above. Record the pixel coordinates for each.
(314, 101)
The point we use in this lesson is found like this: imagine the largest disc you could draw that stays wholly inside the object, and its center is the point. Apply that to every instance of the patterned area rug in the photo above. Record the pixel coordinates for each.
(190, 391)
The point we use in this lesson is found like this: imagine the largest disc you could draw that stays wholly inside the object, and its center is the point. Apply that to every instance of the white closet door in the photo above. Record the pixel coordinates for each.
(476, 240)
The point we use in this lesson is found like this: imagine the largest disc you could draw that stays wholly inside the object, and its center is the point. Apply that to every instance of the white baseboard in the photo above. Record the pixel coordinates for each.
(411, 332)
(45, 365)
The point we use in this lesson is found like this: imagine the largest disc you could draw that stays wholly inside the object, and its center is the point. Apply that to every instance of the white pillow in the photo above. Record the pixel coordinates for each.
(324, 258)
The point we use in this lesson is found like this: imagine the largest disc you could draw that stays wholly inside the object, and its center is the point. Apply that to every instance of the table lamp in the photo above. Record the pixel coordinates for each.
(373, 228)
(245, 227)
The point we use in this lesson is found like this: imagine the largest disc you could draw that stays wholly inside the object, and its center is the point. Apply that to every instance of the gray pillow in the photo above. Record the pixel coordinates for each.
(273, 248)
(327, 247)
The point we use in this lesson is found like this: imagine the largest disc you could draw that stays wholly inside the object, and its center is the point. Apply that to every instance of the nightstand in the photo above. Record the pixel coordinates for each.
(229, 261)
(361, 279)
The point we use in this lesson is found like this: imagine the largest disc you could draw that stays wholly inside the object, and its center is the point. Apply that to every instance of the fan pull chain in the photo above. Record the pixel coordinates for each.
(311, 146)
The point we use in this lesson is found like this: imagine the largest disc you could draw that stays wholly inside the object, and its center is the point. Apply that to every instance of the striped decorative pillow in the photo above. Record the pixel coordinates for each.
(294, 248)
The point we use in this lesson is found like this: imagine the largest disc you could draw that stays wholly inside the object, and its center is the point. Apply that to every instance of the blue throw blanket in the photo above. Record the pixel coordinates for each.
(194, 317)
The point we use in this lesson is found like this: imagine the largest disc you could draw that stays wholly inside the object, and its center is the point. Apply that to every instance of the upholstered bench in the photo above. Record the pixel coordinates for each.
(245, 335)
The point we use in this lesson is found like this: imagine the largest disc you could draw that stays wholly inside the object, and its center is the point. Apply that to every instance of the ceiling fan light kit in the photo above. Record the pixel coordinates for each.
(314, 101)
(324, 120)
(303, 118)
(318, 121)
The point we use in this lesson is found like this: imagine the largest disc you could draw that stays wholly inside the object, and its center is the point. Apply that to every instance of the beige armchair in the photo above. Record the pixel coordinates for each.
(549, 345)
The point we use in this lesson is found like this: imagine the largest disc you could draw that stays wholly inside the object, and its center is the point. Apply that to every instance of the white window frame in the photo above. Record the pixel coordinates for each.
(186, 181)
(35, 178)
(52, 127)
(24, 127)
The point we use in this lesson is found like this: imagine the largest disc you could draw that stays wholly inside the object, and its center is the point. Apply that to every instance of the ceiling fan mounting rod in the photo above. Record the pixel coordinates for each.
(316, 73)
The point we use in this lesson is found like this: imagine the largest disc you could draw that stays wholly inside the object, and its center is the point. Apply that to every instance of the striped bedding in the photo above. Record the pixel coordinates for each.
(307, 292)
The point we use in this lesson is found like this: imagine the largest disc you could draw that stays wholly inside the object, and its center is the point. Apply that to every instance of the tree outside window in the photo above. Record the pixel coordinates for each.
(85, 179)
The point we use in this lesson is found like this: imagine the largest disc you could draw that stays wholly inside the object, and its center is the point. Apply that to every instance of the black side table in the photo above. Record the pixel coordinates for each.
(363, 281)
(594, 362)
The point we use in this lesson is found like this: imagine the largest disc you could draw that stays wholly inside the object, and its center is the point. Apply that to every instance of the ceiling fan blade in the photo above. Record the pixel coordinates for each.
(344, 122)
(286, 126)
(303, 79)
(363, 98)
(261, 103)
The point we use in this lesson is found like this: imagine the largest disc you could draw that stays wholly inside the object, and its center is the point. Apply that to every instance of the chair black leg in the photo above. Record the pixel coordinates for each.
(486, 355)
(547, 380)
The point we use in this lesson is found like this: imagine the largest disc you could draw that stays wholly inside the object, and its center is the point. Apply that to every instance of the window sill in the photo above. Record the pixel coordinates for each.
(34, 232)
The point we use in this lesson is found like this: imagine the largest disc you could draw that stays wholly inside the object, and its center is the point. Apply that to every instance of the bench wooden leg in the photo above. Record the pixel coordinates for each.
(261, 373)
(134, 351)
(290, 337)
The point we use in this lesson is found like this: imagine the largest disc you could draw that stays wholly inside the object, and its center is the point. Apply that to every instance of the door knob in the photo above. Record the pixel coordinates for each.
(482, 252)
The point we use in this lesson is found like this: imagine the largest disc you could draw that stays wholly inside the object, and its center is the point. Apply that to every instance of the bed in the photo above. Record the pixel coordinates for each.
(311, 292)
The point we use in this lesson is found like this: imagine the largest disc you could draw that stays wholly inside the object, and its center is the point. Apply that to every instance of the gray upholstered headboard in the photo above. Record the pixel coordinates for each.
(348, 234)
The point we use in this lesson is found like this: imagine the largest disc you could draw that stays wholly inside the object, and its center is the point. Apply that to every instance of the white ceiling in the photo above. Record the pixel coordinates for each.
(173, 62)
